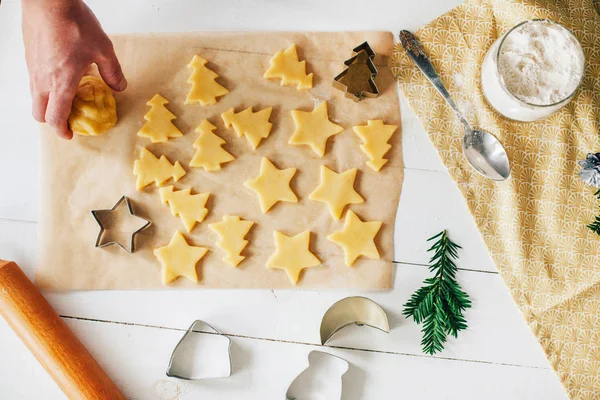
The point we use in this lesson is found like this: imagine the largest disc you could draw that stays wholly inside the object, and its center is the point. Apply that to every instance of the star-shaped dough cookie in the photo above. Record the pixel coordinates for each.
(292, 254)
(336, 190)
(357, 238)
(232, 231)
(178, 258)
(314, 128)
(272, 185)
(375, 136)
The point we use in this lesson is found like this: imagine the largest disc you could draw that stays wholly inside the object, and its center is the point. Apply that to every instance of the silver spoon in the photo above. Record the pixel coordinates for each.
(481, 149)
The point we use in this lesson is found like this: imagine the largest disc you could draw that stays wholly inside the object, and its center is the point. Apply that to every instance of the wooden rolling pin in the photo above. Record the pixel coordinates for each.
(50, 340)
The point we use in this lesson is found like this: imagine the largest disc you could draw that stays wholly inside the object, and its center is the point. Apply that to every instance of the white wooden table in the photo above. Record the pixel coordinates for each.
(132, 333)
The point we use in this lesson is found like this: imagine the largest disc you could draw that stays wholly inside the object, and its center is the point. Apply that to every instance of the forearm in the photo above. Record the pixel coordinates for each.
(62, 38)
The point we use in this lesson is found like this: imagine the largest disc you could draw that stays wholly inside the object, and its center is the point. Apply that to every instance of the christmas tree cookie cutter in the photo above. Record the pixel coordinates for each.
(102, 217)
(353, 310)
(174, 370)
(358, 79)
(321, 379)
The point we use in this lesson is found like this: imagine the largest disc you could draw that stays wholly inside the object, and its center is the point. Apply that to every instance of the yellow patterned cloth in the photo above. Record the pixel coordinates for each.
(534, 224)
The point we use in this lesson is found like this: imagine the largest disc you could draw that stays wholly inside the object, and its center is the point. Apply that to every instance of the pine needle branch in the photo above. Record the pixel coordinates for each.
(595, 226)
(439, 304)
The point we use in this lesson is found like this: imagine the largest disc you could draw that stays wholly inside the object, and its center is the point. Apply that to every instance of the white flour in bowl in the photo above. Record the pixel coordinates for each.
(540, 64)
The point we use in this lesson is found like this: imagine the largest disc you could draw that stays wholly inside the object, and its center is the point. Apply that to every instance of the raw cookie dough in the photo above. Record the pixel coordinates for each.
(94, 109)
(189, 207)
(209, 152)
(150, 169)
(336, 190)
(205, 89)
(159, 126)
(178, 258)
(314, 128)
(292, 254)
(285, 65)
(272, 185)
(375, 136)
(357, 238)
(232, 231)
(255, 126)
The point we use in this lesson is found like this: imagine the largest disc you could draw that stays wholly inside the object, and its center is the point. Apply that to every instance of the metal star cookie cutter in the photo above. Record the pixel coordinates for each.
(174, 356)
(356, 81)
(318, 383)
(97, 214)
(353, 310)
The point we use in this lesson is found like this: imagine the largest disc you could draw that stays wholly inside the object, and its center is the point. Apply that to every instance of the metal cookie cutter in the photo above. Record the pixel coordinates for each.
(179, 353)
(353, 310)
(358, 79)
(321, 379)
(104, 217)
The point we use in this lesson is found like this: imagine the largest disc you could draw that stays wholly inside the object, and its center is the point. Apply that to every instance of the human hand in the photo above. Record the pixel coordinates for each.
(62, 38)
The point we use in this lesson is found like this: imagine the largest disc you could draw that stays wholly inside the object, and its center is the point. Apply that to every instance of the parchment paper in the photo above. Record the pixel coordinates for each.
(94, 172)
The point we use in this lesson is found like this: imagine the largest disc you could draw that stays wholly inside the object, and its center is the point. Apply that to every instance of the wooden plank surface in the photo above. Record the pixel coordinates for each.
(263, 370)
(132, 333)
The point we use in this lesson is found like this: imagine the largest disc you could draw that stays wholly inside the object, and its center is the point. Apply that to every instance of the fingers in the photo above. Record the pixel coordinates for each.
(38, 108)
(110, 69)
(59, 108)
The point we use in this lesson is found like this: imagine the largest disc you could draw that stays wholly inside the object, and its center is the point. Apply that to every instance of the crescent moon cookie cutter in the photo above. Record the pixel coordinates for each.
(182, 357)
(353, 310)
(105, 219)
(316, 380)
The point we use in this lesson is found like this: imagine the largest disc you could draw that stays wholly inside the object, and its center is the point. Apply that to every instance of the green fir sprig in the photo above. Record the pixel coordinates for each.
(440, 303)
(595, 226)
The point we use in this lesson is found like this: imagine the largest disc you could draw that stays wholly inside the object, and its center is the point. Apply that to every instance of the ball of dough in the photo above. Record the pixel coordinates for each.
(94, 109)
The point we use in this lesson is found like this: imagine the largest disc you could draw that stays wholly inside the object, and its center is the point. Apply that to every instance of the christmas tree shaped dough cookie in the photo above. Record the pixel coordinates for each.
(272, 185)
(178, 258)
(336, 190)
(285, 65)
(255, 126)
(209, 153)
(150, 169)
(159, 126)
(205, 89)
(292, 254)
(232, 231)
(357, 238)
(189, 207)
(314, 128)
(375, 136)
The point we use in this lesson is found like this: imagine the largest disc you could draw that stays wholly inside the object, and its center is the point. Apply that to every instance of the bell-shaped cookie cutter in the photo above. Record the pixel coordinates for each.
(353, 310)
(131, 245)
(192, 329)
(342, 366)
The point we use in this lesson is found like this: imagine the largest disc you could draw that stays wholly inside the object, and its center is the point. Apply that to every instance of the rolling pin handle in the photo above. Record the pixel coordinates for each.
(50, 340)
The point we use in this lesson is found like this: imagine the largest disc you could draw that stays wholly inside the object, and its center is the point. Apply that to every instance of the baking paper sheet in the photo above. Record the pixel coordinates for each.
(94, 172)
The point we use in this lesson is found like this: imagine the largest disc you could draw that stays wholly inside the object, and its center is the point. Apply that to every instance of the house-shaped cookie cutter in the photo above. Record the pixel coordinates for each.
(195, 328)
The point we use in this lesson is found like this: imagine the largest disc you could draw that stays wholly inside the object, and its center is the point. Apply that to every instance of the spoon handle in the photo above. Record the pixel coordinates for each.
(415, 51)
